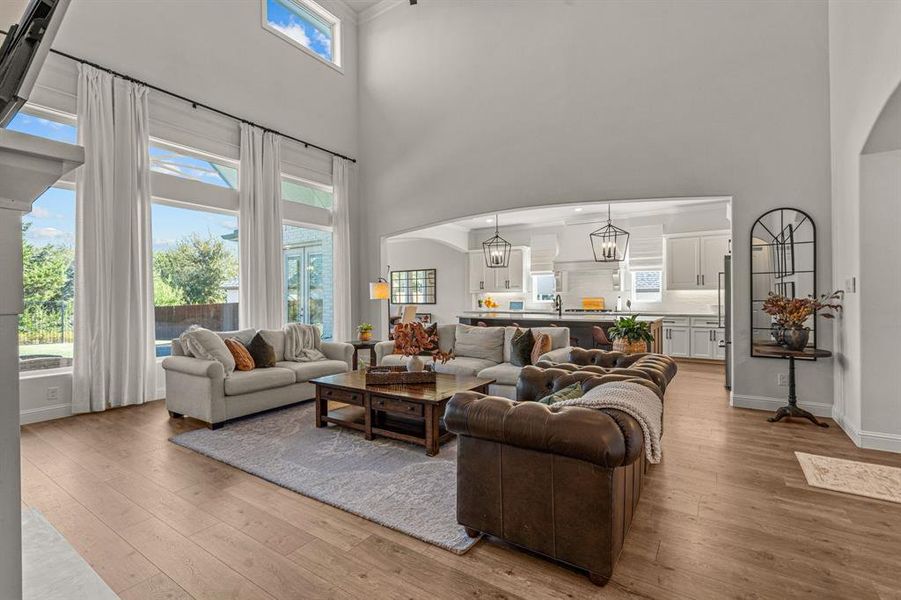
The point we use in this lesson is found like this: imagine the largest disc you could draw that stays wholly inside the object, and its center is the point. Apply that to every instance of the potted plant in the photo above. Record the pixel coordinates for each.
(365, 331)
(412, 340)
(630, 335)
(792, 314)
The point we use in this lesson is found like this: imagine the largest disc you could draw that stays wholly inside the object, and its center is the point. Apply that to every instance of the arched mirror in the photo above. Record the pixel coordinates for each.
(783, 262)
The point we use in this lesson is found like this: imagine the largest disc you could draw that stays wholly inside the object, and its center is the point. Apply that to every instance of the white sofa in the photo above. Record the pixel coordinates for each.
(200, 388)
(489, 358)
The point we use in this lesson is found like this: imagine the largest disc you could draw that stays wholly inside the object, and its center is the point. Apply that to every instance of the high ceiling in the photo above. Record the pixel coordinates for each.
(584, 212)
(361, 5)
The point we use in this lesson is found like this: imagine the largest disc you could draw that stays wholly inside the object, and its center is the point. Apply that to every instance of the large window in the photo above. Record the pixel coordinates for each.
(543, 287)
(307, 25)
(46, 331)
(195, 271)
(308, 277)
(305, 192)
(178, 161)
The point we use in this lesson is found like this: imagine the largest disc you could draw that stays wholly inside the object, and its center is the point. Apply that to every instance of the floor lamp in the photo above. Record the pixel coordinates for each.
(380, 290)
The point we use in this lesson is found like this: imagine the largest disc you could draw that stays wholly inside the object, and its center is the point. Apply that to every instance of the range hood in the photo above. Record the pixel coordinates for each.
(544, 250)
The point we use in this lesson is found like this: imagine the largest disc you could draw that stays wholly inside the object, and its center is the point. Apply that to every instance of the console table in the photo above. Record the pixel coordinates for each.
(791, 409)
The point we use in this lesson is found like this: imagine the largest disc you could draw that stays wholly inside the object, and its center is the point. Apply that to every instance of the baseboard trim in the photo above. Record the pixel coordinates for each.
(45, 413)
(869, 440)
(819, 409)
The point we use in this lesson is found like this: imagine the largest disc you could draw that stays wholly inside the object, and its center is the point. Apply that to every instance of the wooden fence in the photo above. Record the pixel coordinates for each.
(171, 321)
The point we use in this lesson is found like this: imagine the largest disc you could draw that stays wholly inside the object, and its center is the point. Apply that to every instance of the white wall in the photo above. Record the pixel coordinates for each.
(564, 102)
(406, 254)
(218, 53)
(880, 288)
(864, 70)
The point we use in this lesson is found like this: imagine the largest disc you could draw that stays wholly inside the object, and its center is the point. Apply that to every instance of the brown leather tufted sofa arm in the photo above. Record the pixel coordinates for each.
(607, 438)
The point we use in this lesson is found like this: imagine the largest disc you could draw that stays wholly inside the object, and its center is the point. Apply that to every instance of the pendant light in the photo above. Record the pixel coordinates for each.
(497, 250)
(609, 243)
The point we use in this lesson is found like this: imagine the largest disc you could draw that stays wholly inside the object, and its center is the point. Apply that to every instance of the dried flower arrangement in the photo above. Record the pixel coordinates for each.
(792, 313)
(412, 339)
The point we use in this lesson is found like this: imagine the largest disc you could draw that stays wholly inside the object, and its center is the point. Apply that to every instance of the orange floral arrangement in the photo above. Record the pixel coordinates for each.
(412, 339)
(794, 312)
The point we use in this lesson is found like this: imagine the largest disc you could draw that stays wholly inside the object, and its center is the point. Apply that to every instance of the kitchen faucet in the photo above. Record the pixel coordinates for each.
(558, 305)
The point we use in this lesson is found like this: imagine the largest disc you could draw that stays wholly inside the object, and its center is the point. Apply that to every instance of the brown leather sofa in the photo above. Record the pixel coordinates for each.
(563, 484)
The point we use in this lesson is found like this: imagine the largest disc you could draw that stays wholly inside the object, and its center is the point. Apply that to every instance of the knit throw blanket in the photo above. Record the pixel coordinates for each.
(633, 399)
(302, 343)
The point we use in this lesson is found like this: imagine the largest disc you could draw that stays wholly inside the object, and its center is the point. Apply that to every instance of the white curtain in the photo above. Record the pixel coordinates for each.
(344, 183)
(262, 297)
(114, 361)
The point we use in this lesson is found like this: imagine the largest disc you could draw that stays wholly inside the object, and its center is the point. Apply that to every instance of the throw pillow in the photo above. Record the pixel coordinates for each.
(243, 359)
(480, 342)
(521, 347)
(262, 353)
(541, 346)
(203, 343)
(570, 392)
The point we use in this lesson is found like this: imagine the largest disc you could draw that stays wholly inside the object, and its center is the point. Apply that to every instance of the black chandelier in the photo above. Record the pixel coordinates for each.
(497, 250)
(609, 243)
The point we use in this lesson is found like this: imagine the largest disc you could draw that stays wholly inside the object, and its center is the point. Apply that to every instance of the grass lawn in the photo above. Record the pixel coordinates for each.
(65, 350)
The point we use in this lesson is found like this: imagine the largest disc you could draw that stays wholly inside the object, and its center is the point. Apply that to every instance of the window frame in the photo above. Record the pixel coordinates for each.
(198, 155)
(534, 294)
(325, 15)
(635, 292)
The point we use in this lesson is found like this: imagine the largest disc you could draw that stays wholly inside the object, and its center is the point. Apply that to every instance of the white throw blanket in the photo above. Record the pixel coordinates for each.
(633, 399)
(302, 343)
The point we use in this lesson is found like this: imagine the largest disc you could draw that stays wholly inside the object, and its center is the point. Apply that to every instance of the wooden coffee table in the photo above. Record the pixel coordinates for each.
(407, 412)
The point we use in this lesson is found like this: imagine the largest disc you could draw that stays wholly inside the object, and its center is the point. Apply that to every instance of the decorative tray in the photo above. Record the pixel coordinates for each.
(395, 375)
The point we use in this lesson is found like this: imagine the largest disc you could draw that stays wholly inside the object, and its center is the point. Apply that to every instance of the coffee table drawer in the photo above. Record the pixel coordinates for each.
(397, 406)
(345, 396)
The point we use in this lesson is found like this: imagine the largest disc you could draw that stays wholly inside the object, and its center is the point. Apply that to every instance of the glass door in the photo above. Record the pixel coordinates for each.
(304, 285)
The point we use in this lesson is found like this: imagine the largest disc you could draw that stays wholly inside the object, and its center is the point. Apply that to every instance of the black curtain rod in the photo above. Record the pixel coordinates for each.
(195, 104)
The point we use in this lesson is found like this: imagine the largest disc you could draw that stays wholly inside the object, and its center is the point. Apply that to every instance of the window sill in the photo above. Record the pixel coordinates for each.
(38, 373)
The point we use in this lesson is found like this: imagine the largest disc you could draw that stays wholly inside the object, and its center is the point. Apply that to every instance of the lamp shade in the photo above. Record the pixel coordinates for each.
(379, 290)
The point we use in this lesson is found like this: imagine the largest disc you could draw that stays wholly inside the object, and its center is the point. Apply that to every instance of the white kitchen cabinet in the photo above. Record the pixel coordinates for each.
(682, 259)
(509, 279)
(702, 342)
(719, 352)
(694, 262)
(676, 336)
(713, 249)
(477, 273)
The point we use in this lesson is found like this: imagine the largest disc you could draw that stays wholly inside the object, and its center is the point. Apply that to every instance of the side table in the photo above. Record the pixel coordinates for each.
(361, 345)
(791, 409)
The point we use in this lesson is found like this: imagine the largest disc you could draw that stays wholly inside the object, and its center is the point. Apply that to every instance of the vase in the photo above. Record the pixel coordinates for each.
(796, 338)
(365, 336)
(415, 364)
(627, 347)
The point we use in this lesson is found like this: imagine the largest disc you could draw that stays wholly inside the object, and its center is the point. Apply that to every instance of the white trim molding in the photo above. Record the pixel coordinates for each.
(45, 413)
(765, 403)
(870, 440)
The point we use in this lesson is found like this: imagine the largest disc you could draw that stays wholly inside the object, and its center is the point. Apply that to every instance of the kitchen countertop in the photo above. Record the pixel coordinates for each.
(548, 316)
(548, 313)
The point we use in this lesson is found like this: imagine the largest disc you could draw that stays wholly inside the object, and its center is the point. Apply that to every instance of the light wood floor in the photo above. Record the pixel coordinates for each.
(726, 515)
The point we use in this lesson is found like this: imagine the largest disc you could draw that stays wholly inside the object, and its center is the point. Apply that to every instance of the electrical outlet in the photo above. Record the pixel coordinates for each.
(53, 393)
(781, 379)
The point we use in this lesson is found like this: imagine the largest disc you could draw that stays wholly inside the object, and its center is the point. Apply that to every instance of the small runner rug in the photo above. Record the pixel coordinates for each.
(385, 481)
(852, 477)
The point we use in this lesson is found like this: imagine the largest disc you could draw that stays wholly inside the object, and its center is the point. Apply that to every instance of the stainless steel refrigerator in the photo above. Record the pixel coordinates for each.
(724, 314)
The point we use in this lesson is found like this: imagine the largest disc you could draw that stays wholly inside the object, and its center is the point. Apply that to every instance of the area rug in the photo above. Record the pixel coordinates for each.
(387, 482)
(852, 477)
(51, 568)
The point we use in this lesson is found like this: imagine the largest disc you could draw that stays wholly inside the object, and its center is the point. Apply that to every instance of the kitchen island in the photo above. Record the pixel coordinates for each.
(580, 324)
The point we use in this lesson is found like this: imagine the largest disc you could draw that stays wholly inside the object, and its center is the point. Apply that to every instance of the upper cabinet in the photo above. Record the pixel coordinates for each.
(695, 262)
(509, 279)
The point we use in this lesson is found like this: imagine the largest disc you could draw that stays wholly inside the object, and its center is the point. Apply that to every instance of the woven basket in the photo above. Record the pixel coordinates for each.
(627, 347)
(396, 375)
